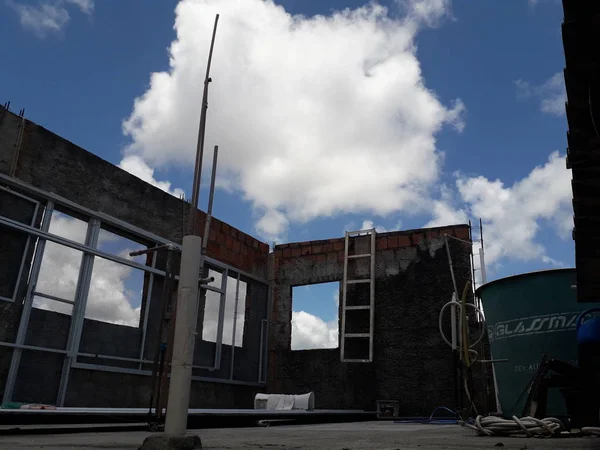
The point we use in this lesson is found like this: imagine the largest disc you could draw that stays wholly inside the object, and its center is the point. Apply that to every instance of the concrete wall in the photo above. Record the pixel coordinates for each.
(51, 163)
(411, 362)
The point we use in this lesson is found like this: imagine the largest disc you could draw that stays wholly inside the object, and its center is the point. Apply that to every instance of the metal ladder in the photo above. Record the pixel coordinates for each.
(367, 309)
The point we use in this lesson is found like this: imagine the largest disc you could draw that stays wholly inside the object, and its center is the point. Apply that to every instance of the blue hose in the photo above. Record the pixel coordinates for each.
(430, 420)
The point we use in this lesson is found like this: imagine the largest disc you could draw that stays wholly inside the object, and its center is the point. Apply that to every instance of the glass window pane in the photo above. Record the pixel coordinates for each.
(59, 271)
(68, 227)
(110, 241)
(211, 316)
(116, 293)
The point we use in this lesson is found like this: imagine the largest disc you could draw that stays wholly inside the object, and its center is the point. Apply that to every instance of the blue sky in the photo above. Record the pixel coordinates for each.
(459, 102)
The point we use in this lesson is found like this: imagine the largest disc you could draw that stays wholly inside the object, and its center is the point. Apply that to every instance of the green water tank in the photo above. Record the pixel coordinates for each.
(527, 316)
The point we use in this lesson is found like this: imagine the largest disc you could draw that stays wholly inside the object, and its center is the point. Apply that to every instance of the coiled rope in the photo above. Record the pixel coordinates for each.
(528, 426)
(525, 426)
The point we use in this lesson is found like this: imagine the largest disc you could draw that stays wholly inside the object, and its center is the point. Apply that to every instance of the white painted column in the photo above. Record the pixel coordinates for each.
(184, 339)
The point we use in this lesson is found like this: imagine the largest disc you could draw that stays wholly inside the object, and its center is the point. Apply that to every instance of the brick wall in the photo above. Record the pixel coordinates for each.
(411, 362)
(234, 247)
(53, 164)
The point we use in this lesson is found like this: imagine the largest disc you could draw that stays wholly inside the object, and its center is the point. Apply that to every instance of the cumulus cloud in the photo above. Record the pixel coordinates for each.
(48, 17)
(312, 332)
(512, 215)
(136, 166)
(552, 94)
(109, 299)
(211, 311)
(315, 116)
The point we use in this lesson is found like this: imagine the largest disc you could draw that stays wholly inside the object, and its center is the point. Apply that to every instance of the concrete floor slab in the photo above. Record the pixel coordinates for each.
(346, 436)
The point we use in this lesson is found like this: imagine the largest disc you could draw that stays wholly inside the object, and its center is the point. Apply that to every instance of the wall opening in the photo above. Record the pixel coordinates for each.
(234, 312)
(315, 314)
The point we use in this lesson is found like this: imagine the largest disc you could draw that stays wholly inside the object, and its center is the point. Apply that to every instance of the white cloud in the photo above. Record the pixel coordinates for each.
(368, 224)
(136, 166)
(312, 332)
(272, 226)
(109, 299)
(315, 116)
(86, 6)
(534, 3)
(552, 93)
(512, 215)
(211, 311)
(47, 17)
(444, 212)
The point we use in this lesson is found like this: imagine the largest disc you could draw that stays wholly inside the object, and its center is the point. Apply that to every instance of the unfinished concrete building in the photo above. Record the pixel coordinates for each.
(79, 317)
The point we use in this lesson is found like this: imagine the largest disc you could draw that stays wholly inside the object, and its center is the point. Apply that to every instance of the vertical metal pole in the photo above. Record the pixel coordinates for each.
(210, 200)
(192, 264)
(201, 133)
(78, 316)
(453, 322)
(344, 289)
(148, 300)
(235, 308)
(222, 301)
(372, 295)
(481, 255)
(185, 336)
(261, 359)
(11, 377)
(451, 267)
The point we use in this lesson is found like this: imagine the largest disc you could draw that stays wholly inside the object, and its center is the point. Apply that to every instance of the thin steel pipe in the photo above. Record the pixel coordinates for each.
(201, 134)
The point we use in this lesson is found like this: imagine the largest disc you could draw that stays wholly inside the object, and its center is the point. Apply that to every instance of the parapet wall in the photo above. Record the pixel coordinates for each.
(411, 362)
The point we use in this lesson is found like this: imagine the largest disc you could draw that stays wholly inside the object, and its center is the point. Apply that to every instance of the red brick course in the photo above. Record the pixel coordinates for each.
(332, 250)
(234, 247)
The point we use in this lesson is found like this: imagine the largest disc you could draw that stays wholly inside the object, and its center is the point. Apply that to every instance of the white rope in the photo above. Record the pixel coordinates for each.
(525, 426)
(528, 426)
(592, 431)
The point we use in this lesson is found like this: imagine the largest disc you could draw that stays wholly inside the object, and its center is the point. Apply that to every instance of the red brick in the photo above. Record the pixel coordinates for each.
(220, 237)
(417, 238)
(296, 251)
(462, 233)
(287, 252)
(404, 241)
(279, 253)
(382, 243)
(226, 228)
(320, 258)
(341, 256)
(327, 248)
(307, 250)
(433, 234)
(245, 250)
(316, 248)
(392, 241)
(229, 242)
(338, 245)
(212, 235)
(332, 257)
(237, 246)
(255, 244)
(234, 232)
